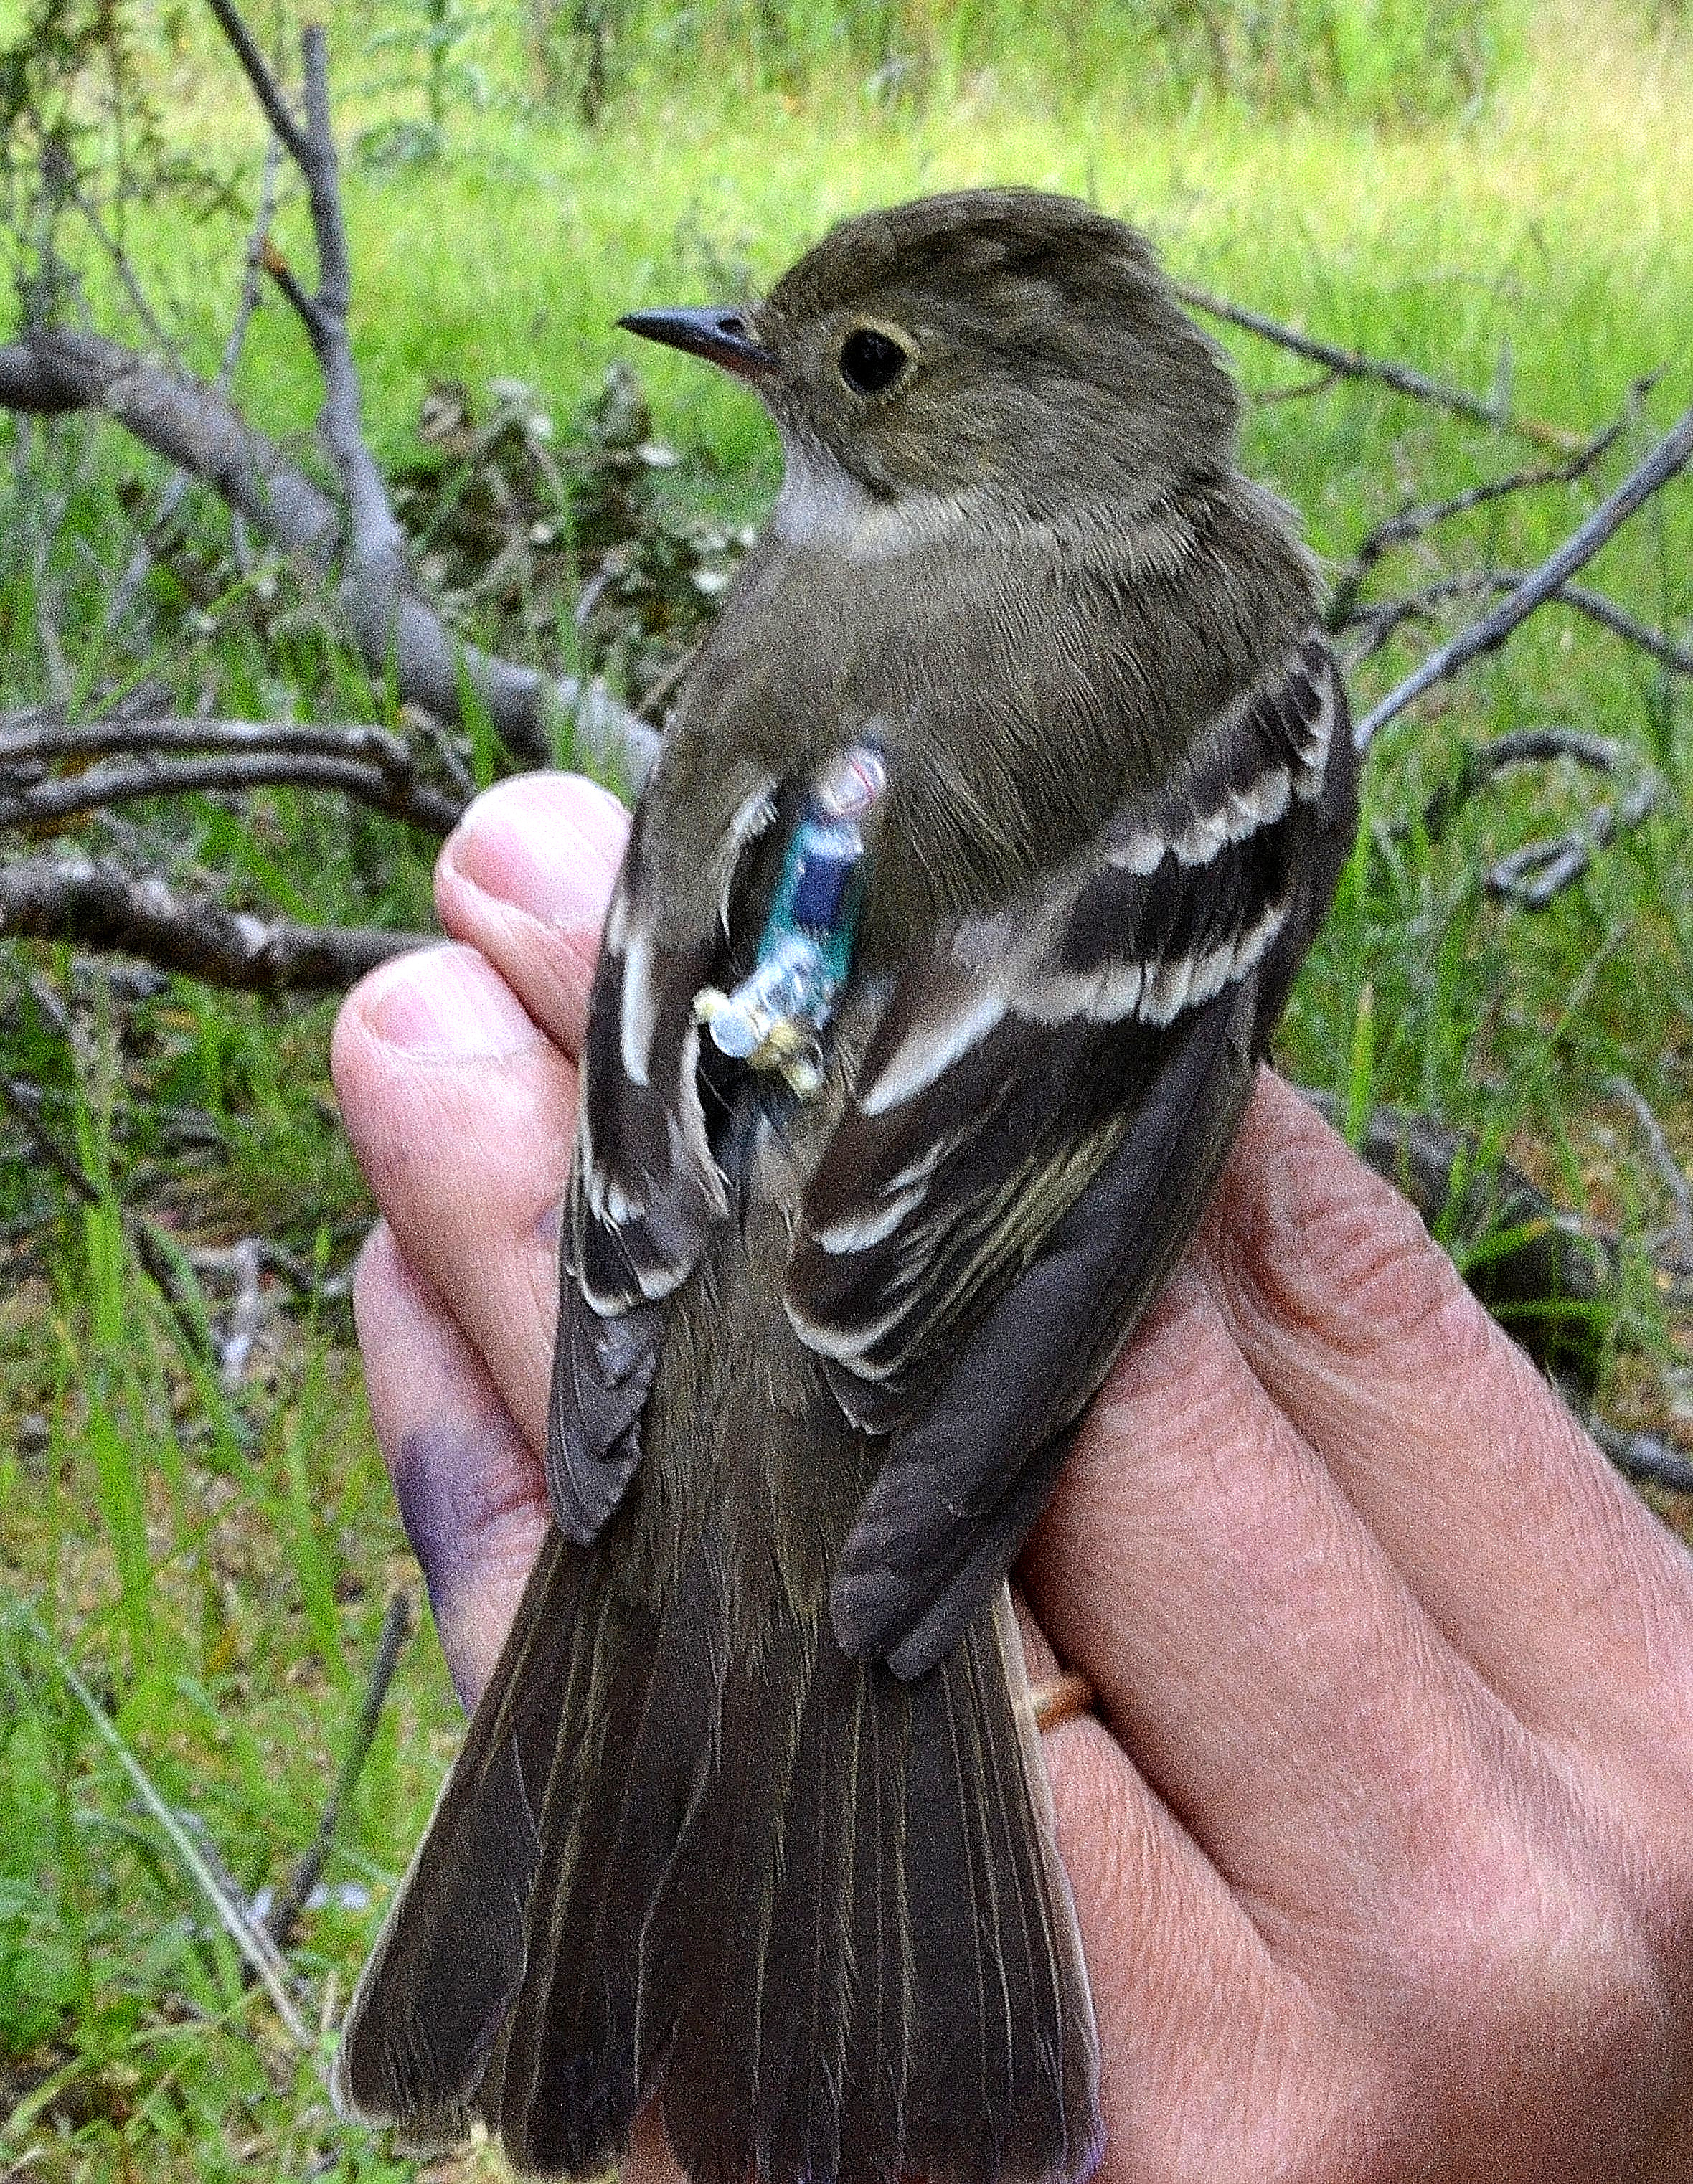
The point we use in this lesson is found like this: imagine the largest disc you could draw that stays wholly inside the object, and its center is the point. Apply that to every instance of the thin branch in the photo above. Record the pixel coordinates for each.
(118, 258)
(282, 1919)
(266, 87)
(49, 372)
(1301, 390)
(1671, 1173)
(127, 588)
(22, 1102)
(1351, 364)
(1643, 1457)
(1677, 658)
(101, 906)
(375, 574)
(252, 264)
(1381, 619)
(31, 736)
(52, 371)
(45, 803)
(1486, 635)
(1416, 521)
(1535, 875)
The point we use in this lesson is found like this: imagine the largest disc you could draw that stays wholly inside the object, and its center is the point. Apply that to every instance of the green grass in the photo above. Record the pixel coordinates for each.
(215, 1566)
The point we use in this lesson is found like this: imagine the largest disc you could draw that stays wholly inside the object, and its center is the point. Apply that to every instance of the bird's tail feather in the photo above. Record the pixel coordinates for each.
(816, 1910)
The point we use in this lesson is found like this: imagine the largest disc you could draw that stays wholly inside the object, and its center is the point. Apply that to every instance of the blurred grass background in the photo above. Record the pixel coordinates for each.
(1500, 195)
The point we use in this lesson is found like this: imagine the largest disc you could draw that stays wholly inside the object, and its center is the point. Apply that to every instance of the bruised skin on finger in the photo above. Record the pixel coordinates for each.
(471, 1494)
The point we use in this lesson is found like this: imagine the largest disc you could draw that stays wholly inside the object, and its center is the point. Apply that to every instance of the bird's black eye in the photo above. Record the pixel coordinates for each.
(870, 362)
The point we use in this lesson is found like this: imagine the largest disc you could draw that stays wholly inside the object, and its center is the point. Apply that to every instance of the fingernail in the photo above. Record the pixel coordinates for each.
(447, 1004)
(549, 844)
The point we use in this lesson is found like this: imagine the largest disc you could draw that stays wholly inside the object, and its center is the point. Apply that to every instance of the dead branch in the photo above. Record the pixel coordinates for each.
(1489, 633)
(1677, 658)
(1301, 390)
(1417, 520)
(127, 588)
(22, 1102)
(376, 571)
(1380, 619)
(1673, 1177)
(1351, 364)
(52, 371)
(386, 785)
(282, 1919)
(280, 114)
(1642, 1456)
(1535, 876)
(1538, 746)
(101, 906)
(31, 736)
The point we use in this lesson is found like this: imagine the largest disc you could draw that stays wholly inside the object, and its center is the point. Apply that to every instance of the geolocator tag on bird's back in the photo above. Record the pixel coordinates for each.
(776, 1016)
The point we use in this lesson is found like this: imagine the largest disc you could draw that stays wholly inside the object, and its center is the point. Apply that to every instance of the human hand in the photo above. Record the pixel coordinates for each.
(1382, 1838)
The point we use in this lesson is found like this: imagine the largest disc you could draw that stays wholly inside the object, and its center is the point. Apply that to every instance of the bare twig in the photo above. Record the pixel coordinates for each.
(397, 794)
(1671, 1173)
(100, 906)
(128, 585)
(1351, 363)
(31, 736)
(118, 258)
(1491, 630)
(377, 568)
(1643, 1457)
(264, 85)
(282, 1919)
(1677, 658)
(23, 1101)
(1416, 521)
(52, 371)
(252, 265)
(1535, 875)
(1301, 390)
(1541, 746)
(1379, 620)
(218, 1265)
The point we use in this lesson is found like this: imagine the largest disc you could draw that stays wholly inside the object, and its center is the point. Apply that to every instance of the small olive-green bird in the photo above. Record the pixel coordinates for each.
(994, 820)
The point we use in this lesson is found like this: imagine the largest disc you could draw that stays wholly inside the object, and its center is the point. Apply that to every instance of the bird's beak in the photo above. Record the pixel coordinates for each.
(721, 335)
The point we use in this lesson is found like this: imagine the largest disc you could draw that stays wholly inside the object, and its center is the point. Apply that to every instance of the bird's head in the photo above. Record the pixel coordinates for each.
(998, 343)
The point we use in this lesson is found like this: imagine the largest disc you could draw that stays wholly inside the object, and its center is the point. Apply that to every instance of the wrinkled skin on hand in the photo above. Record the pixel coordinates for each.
(1382, 1839)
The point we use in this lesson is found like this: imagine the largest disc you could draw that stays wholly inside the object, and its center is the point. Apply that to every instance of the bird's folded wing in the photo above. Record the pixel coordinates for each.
(1035, 1130)
(644, 1192)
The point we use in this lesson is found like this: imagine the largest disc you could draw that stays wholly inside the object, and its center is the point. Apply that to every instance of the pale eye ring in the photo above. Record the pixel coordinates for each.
(871, 361)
